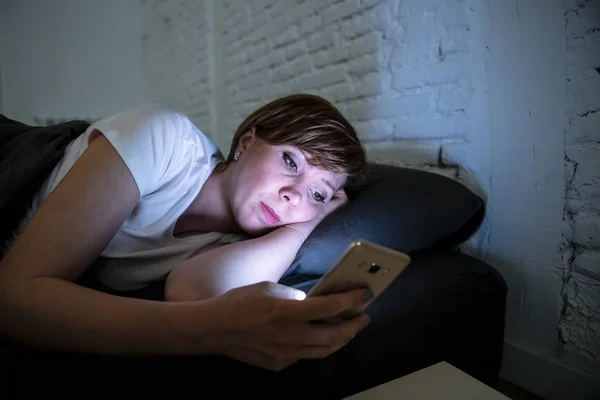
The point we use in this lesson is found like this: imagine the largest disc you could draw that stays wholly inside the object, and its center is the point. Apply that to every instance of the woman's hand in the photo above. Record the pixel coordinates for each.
(270, 326)
(338, 200)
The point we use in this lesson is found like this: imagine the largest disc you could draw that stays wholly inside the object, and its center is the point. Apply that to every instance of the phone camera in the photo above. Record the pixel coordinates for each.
(374, 268)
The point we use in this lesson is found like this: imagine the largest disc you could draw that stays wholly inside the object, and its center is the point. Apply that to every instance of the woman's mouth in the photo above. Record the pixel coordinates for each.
(270, 215)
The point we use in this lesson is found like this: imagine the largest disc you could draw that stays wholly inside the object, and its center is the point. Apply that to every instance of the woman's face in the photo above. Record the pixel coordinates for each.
(273, 186)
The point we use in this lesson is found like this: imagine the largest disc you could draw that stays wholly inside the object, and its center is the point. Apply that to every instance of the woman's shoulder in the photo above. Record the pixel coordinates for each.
(157, 142)
(156, 122)
(144, 115)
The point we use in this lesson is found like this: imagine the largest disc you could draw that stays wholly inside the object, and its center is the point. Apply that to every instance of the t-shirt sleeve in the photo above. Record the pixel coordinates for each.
(147, 139)
(233, 238)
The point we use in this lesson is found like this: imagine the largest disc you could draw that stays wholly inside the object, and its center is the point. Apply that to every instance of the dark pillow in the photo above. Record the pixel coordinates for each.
(401, 208)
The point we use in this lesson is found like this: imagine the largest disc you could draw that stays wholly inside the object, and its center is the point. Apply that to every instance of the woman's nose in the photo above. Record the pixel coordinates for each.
(291, 196)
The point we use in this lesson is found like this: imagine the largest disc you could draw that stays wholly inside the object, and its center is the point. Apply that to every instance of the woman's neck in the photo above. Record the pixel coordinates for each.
(210, 211)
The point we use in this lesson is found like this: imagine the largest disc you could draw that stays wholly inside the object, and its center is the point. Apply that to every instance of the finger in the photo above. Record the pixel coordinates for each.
(327, 306)
(342, 332)
(328, 334)
(279, 364)
(340, 340)
(341, 194)
(285, 292)
(317, 352)
(277, 359)
(263, 360)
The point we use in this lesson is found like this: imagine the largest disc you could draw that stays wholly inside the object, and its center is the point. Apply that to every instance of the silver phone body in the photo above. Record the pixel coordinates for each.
(362, 265)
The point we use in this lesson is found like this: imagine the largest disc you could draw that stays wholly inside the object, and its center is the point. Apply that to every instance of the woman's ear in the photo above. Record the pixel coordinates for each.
(246, 140)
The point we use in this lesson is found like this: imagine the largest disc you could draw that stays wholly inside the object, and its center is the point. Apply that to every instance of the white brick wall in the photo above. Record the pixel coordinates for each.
(526, 84)
(580, 318)
(176, 56)
(481, 83)
(376, 67)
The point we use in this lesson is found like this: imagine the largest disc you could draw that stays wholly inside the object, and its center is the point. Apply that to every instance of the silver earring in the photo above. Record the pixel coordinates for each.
(236, 156)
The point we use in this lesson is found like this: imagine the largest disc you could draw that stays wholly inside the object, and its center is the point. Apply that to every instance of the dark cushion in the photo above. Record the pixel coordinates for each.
(401, 208)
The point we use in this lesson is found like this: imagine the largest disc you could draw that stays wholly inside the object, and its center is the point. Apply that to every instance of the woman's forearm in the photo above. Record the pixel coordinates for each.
(216, 271)
(52, 313)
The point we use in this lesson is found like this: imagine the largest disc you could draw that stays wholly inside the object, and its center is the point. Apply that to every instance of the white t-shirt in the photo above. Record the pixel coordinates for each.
(170, 159)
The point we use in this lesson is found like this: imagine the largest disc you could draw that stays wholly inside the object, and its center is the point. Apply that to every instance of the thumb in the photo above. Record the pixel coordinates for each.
(286, 293)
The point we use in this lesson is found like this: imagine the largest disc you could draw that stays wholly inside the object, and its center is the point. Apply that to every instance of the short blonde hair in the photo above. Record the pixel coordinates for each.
(312, 124)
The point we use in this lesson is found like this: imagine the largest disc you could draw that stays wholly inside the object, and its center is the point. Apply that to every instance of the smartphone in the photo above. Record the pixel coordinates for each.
(362, 265)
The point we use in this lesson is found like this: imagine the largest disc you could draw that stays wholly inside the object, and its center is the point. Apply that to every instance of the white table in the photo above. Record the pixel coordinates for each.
(439, 381)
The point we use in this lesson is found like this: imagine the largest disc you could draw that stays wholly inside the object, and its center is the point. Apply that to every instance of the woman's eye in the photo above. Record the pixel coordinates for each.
(319, 197)
(289, 162)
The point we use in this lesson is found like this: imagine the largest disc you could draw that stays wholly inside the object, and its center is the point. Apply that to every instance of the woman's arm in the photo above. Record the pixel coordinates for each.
(265, 258)
(39, 303)
(216, 271)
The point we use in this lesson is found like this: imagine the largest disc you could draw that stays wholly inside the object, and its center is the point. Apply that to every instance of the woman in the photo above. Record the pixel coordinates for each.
(144, 194)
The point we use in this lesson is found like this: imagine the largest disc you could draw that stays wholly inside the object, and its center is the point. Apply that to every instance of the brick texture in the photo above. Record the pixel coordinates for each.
(383, 65)
(580, 320)
(401, 72)
(176, 61)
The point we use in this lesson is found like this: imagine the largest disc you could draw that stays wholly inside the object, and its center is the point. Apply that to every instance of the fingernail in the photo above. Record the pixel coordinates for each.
(367, 295)
(368, 320)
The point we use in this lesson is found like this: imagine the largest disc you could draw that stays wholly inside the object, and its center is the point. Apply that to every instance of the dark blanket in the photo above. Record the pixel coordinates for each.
(28, 154)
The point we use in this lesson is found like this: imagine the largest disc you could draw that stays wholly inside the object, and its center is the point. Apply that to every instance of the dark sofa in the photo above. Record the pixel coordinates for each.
(444, 306)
